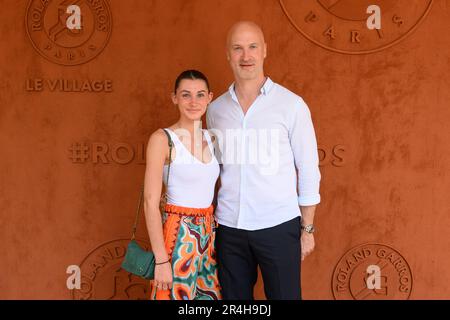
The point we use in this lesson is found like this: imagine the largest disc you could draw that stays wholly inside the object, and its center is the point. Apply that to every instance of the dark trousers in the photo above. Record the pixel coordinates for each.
(275, 250)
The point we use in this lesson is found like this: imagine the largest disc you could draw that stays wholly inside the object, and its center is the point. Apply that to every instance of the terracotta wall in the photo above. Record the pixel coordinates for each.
(380, 108)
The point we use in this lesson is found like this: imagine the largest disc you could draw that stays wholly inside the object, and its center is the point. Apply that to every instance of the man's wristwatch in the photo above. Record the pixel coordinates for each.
(308, 228)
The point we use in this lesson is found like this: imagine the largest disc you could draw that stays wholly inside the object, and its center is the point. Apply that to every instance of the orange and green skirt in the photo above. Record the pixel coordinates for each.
(189, 236)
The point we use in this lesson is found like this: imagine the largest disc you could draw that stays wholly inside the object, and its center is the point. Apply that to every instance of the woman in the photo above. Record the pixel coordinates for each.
(183, 238)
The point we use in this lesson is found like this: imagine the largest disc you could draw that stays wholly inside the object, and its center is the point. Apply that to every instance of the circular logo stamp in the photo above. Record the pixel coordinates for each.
(48, 25)
(102, 277)
(341, 25)
(372, 272)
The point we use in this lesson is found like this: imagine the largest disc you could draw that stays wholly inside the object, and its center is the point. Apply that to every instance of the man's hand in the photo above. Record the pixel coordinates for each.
(307, 239)
(307, 243)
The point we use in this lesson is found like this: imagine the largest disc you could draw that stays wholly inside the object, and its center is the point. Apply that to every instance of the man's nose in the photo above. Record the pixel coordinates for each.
(245, 55)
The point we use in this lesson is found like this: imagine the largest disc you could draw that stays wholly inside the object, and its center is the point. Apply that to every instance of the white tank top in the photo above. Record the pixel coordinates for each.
(191, 182)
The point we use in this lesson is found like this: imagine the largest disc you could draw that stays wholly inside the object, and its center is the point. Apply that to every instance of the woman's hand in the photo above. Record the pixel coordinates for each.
(163, 276)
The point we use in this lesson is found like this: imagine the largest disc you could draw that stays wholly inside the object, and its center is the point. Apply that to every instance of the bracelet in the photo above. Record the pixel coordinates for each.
(162, 262)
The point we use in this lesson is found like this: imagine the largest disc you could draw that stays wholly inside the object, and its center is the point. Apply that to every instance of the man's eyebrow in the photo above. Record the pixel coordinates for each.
(240, 45)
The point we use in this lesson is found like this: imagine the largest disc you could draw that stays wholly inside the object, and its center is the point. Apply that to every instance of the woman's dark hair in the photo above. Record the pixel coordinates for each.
(191, 75)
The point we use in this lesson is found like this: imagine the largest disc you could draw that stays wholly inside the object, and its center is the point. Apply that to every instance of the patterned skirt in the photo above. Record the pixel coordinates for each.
(189, 236)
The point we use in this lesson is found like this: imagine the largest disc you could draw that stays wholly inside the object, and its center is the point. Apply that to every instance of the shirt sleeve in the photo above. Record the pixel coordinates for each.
(304, 147)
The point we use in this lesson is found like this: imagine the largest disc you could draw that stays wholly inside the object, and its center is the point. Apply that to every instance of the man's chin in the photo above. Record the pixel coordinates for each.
(247, 75)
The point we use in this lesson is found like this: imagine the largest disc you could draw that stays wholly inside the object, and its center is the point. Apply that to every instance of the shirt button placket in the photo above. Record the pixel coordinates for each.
(242, 171)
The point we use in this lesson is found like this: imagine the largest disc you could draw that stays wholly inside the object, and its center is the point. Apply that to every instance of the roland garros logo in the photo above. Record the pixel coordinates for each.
(48, 27)
(341, 25)
(372, 272)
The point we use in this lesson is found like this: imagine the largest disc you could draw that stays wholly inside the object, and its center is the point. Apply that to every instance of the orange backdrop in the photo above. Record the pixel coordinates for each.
(77, 108)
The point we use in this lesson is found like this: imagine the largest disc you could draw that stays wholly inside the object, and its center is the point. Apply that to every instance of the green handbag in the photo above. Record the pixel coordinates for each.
(137, 260)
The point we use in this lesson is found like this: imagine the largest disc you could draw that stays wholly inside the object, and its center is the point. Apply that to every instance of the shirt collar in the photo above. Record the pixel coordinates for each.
(268, 85)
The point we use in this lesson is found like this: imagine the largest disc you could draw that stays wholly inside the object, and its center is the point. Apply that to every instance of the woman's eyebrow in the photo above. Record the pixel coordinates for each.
(187, 91)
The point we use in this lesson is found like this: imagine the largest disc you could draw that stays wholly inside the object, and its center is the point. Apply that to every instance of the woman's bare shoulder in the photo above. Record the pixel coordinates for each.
(158, 138)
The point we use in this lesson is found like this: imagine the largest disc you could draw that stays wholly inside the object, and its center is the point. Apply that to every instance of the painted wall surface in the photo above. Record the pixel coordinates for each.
(77, 108)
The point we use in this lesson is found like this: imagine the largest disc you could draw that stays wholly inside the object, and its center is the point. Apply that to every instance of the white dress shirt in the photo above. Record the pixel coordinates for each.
(261, 154)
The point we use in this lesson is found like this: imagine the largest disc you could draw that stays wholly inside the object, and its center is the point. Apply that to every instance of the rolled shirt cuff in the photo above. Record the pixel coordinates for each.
(309, 200)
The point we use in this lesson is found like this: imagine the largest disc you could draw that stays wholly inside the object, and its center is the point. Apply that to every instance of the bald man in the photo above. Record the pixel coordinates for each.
(269, 175)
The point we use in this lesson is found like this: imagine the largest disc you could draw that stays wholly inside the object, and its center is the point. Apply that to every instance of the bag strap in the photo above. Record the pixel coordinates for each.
(136, 220)
(170, 155)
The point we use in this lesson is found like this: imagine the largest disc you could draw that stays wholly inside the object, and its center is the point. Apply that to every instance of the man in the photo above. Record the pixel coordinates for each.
(263, 220)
